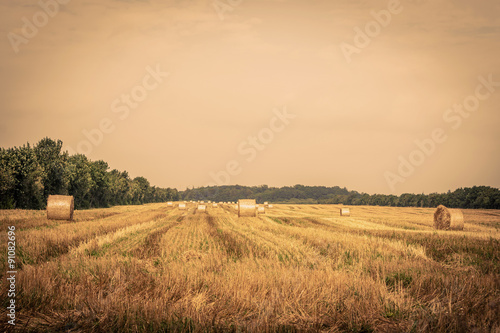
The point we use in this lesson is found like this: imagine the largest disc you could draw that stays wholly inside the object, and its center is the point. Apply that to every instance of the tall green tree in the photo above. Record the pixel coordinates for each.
(28, 176)
(7, 180)
(80, 180)
(53, 163)
(99, 194)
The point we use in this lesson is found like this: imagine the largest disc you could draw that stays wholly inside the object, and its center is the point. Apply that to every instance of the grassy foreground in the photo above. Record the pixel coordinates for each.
(297, 268)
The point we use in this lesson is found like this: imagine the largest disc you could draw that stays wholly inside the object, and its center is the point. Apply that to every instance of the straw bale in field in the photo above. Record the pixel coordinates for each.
(60, 207)
(247, 207)
(345, 212)
(446, 218)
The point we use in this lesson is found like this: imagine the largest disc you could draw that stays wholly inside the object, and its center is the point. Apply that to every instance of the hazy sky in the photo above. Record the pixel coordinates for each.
(251, 92)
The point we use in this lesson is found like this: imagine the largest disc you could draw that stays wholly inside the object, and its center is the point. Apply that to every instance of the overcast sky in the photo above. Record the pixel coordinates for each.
(252, 92)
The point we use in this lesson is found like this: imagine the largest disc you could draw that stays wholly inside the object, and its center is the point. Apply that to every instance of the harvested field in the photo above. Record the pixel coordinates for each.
(296, 268)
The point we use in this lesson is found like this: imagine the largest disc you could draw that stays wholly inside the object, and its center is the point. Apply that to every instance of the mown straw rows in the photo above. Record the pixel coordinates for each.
(302, 268)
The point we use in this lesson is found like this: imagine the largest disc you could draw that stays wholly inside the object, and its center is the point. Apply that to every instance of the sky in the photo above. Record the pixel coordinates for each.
(377, 96)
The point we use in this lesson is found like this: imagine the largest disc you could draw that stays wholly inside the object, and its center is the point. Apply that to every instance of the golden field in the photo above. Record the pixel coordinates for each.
(298, 268)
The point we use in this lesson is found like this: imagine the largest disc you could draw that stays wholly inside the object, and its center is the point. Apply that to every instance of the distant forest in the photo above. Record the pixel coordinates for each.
(29, 174)
(474, 197)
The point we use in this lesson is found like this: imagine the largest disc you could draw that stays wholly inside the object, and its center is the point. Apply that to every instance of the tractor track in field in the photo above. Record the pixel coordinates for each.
(229, 243)
(54, 245)
(152, 241)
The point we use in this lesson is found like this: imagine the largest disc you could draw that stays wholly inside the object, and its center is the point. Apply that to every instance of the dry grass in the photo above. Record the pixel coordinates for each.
(297, 268)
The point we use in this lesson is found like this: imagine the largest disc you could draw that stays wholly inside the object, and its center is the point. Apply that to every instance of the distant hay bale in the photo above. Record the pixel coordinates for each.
(261, 210)
(215, 205)
(247, 207)
(170, 204)
(202, 208)
(345, 211)
(182, 206)
(266, 203)
(60, 207)
(270, 206)
(448, 219)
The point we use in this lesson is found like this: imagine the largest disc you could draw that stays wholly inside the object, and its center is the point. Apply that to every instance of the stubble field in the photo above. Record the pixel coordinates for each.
(296, 268)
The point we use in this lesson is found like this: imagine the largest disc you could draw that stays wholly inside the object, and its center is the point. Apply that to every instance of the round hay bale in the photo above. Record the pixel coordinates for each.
(202, 208)
(170, 204)
(247, 207)
(270, 206)
(448, 219)
(266, 203)
(182, 206)
(345, 212)
(60, 207)
(261, 210)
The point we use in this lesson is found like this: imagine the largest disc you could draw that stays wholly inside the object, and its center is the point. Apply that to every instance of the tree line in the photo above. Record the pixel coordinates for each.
(470, 197)
(29, 174)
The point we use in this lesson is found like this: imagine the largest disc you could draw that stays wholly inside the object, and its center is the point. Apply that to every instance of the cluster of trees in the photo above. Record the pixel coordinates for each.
(28, 175)
(474, 197)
